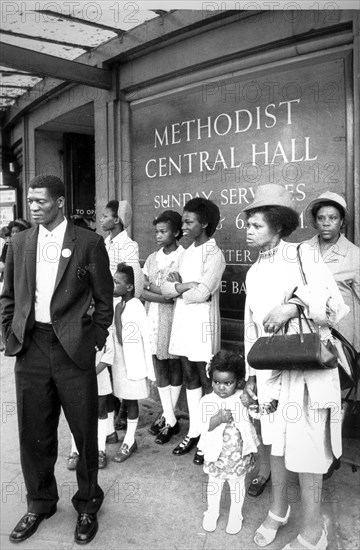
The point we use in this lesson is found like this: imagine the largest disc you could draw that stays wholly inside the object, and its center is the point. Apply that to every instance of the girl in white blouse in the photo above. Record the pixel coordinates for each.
(160, 311)
(195, 334)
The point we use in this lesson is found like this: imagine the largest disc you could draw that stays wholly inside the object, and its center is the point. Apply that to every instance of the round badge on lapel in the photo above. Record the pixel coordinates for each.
(66, 252)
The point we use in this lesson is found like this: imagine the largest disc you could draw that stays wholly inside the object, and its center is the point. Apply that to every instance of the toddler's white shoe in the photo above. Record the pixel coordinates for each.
(210, 521)
(234, 524)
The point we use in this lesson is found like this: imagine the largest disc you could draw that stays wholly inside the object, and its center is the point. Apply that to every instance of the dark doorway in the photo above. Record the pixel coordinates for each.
(79, 152)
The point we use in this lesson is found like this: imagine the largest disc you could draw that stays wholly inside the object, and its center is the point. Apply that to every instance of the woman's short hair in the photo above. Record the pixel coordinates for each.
(280, 218)
(315, 209)
(206, 211)
(53, 184)
(225, 361)
(173, 218)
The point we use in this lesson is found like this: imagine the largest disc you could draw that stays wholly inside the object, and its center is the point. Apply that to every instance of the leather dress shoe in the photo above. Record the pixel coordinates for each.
(28, 525)
(198, 458)
(257, 486)
(72, 461)
(102, 460)
(125, 452)
(166, 433)
(112, 438)
(186, 445)
(157, 425)
(86, 528)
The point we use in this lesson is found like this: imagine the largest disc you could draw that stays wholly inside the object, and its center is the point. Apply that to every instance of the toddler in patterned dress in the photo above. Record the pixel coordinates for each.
(229, 440)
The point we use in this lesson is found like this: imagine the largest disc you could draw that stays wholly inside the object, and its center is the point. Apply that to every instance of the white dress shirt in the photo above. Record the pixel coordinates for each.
(48, 254)
(122, 249)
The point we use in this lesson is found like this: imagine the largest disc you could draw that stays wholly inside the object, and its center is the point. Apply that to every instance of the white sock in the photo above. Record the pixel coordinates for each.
(175, 393)
(237, 496)
(214, 490)
(102, 432)
(129, 438)
(166, 401)
(193, 400)
(110, 423)
(73, 445)
(199, 446)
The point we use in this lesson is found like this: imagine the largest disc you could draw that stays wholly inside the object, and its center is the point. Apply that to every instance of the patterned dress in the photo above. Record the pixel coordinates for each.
(230, 464)
(160, 316)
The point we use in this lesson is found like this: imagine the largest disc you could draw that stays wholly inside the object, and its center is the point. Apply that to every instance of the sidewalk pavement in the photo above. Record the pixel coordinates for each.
(155, 500)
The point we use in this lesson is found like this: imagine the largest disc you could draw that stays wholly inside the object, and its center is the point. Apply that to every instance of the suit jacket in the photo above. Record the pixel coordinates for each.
(83, 275)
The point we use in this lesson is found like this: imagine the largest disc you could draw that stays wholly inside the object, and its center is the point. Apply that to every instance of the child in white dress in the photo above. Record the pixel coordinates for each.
(228, 438)
(160, 311)
(132, 366)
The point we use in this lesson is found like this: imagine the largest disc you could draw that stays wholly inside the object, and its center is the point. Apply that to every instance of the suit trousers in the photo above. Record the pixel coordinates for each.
(46, 380)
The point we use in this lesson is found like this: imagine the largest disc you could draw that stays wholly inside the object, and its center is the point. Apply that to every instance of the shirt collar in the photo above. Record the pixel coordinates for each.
(57, 233)
(340, 247)
(118, 238)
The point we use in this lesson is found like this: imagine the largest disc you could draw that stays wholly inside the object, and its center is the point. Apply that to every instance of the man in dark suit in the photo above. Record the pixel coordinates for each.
(52, 275)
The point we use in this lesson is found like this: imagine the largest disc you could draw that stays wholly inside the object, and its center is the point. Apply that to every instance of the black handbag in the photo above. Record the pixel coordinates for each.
(349, 361)
(293, 351)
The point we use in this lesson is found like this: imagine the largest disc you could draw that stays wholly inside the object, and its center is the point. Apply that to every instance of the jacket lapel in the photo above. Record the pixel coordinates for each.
(30, 259)
(66, 252)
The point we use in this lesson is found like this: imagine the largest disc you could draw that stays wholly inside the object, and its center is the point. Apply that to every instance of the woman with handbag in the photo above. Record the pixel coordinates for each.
(300, 435)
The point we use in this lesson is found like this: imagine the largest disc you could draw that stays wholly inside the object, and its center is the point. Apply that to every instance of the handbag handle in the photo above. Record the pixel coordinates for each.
(301, 313)
(304, 280)
(303, 276)
(300, 309)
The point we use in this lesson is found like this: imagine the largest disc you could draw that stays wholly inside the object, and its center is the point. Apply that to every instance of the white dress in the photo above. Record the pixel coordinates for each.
(195, 331)
(132, 365)
(306, 428)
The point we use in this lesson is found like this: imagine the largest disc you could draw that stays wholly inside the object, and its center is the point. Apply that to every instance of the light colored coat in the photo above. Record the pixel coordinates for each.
(271, 281)
(343, 260)
(134, 352)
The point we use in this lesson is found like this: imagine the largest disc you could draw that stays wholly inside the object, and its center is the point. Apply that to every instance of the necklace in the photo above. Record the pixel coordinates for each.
(268, 253)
